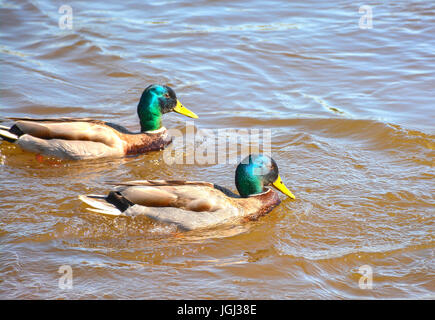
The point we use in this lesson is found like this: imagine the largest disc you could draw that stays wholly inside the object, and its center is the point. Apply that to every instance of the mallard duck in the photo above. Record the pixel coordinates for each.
(83, 138)
(197, 204)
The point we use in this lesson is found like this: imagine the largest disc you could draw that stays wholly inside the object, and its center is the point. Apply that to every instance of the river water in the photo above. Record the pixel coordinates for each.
(351, 115)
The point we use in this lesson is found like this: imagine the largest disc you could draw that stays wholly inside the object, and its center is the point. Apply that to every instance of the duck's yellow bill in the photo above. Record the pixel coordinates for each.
(281, 187)
(179, 108)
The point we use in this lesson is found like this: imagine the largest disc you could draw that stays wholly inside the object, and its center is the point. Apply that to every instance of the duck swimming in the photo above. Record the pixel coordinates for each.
(197, 204)
(84, 138)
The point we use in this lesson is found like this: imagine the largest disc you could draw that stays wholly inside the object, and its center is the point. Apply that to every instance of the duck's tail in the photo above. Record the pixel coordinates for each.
(99, 204)
(6, 135)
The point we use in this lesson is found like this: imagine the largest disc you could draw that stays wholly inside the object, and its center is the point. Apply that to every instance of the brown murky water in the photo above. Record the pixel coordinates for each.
(351, 112)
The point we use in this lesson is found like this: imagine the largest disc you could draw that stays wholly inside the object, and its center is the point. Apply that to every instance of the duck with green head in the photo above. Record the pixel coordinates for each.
(84, 138)
(197, 204)
(155, 101)
(257, 171)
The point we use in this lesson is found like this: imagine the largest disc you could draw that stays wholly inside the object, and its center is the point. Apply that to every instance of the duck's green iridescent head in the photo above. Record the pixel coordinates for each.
(257, 171)
(155, 101)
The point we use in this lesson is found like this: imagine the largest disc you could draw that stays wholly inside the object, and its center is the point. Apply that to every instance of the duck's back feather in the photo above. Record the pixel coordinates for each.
(69, 129)
(82, 138)
(188, 204)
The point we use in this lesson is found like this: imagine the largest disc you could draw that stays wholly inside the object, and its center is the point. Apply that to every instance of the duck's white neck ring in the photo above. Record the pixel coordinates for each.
(259, 194)
(156, 131)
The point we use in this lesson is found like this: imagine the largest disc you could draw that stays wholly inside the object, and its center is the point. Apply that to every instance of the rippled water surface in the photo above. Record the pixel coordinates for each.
(351, 113)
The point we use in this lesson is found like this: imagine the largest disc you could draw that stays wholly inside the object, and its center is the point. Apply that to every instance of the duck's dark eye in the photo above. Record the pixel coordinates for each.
(166, 95)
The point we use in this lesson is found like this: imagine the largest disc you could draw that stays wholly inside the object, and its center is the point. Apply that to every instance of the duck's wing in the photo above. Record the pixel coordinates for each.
(54, 120)
(188, 204)
(161, 183)
(226, 191)
(78, 129)
(198, 196)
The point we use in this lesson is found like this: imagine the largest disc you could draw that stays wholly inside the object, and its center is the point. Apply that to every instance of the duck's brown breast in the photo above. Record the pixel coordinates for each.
(145, 142)
(259, 205)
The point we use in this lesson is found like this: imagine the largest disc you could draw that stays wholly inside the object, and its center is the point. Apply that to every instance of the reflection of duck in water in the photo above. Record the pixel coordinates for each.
(197, 204)
(83, 138)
